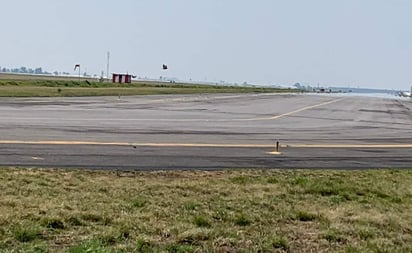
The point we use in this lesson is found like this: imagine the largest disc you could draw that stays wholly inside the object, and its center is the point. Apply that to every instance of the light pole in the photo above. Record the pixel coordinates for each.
(108, 65)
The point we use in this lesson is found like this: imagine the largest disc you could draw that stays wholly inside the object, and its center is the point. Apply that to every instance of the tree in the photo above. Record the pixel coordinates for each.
(38, 71)
(23, 70)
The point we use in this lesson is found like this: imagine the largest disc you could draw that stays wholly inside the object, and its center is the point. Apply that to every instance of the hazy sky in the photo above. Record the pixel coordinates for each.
(364, 43)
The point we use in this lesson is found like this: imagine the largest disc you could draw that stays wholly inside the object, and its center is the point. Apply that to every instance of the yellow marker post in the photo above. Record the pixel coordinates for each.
(277, 149)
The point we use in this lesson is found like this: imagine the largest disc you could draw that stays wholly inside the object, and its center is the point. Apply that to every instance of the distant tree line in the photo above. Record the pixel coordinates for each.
(25, 70)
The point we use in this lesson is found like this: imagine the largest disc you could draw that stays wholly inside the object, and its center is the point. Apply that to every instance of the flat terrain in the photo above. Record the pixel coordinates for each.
(206, 132)
(15, 85)
(197, 211)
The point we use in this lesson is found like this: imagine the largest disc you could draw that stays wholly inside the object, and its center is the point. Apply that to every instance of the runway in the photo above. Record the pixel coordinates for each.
(207, 132)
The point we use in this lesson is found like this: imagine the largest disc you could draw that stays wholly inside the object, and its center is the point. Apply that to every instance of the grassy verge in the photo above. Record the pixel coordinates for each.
(67, 88)
(224, 211)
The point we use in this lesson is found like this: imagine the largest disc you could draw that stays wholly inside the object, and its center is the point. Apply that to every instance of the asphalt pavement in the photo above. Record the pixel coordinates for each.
(216, 131)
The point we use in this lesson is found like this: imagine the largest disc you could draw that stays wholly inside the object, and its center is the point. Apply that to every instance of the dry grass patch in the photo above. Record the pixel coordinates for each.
(44, 210)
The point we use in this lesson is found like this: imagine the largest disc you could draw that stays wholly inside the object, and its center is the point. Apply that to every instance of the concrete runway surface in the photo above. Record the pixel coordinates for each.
(207, 132)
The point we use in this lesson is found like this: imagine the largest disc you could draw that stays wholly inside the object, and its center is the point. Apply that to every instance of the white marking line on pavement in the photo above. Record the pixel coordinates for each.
(207, 145)
(392, 145)
(274, 153)
(37, 158)
(298, 110)
(211, 145)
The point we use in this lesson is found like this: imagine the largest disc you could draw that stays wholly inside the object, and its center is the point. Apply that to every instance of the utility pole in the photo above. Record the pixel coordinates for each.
(108, 66)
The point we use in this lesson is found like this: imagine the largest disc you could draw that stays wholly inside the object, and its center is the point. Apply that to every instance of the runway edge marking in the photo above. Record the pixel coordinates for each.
(207, 145)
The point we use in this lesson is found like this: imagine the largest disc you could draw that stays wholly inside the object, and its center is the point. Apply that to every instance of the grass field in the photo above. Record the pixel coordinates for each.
(20, 77)
(40, 86)
(222, 211)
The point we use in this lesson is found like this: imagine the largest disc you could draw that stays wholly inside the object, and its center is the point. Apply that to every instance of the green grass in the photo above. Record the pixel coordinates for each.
(72, 88)
(242, 220)
(25, 234)
(44, 210)
(201, 221)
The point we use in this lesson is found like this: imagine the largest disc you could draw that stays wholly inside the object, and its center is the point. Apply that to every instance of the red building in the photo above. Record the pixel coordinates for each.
(121, 78)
